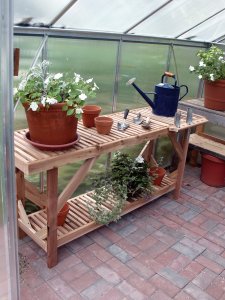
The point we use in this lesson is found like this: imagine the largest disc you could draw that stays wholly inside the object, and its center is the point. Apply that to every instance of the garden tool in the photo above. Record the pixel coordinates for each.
(146, 124)
(177, 119)
(122, 126)
(189, 119)
(166, 96)
(138, 119)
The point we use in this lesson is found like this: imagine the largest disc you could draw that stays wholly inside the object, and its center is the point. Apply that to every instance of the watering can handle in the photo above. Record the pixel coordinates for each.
(185, 92)
(169, 74)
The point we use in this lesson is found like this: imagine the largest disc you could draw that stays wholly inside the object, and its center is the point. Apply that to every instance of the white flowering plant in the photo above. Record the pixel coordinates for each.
(211, 65)
(41, 89)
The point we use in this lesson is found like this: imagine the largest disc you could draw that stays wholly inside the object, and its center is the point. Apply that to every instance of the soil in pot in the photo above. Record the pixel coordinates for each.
(103, 124)
(90, 112)
(157, 173)
(52, 126)
(61, 217)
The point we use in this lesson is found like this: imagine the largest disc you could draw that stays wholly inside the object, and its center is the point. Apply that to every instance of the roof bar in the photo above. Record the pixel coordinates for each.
(62, 12)
(148, 16)
(205, 20)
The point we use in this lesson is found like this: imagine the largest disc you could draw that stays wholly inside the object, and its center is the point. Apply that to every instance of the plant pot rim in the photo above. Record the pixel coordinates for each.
(102, 119)
(87, 108)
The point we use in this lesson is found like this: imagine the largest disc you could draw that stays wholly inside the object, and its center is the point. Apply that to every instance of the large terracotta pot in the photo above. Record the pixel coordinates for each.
(51, 126)
(213, 171)
(214, 95)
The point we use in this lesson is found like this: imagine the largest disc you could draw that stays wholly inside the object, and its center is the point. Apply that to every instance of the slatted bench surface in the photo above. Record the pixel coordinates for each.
(207, 146)
(78, 221)
(32, 160)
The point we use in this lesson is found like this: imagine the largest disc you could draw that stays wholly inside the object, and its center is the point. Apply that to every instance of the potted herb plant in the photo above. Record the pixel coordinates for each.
(211, 69)
(126, 178)
(53, 104)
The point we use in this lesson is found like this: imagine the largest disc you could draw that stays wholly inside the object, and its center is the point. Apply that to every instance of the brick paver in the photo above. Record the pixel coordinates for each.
(165, 250)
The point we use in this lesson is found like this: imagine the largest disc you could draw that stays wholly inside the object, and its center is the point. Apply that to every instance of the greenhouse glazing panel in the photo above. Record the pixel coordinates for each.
(28, 46)
(89, 58)
(33, 11)
(177, 17)
(209, 30)
(107, 15)
(146, 62)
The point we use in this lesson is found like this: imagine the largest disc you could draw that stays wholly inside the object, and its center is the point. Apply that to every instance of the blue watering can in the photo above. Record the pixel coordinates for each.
(166, 96)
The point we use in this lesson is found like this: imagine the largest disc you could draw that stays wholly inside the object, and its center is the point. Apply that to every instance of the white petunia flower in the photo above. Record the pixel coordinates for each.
(22, 85)
(95, 85)
(200, 76)
(220, 58)
(51, 101)
(191, 68)
(82, 96)
(58, 76)
(202, 64)
(15, 90)
(89, 80)
(139, 159)
(33, 106)
(77, 77)
(212, 77)
(43, 100)
(79, 110)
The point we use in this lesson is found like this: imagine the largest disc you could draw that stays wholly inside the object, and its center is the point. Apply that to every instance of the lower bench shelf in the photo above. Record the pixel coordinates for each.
(78, 221)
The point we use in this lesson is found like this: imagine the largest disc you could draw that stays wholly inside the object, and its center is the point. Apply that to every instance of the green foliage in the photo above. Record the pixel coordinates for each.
(211, 65)
(41, 88)
(126, 178)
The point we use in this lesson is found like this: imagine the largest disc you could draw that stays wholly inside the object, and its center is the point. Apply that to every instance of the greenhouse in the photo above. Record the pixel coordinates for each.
(112, 149)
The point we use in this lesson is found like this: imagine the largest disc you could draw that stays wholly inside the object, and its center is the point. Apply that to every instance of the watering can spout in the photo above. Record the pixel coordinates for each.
(143, 94)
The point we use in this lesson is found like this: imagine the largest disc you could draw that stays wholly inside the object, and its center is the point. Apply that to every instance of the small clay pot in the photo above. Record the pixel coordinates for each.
(61, 217)
(90, 112)
(103, 124)
(157, 173)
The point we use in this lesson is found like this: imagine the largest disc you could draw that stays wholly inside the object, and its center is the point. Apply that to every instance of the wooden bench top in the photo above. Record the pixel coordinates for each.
(31, 160)
(207, 146)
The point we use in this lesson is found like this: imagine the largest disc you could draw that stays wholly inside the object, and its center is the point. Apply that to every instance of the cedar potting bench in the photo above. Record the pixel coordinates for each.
(41, 226)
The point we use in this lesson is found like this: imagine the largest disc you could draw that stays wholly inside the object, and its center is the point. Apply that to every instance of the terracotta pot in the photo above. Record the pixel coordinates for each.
(157, 173)
(51, 126)
(90, 112)
(212, 171)
(103, 124)
(61, 217)
(214, 94)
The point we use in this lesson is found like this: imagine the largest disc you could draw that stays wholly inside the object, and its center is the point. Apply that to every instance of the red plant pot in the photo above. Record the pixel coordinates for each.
(61, 217)
(214, 95)
(157, 173)
(90, 112)
(103, 124)
(212, 171)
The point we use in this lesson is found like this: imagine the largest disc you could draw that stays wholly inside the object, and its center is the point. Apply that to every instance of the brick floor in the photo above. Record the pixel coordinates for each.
(165, 250)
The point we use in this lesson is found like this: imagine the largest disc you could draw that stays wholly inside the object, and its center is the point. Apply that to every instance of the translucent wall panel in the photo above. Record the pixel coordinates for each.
(147, 63)
(209, 30)
(91, 59)
(107, 15)
(184, 57)
(33, 11)
(28, 48)
(177, 17)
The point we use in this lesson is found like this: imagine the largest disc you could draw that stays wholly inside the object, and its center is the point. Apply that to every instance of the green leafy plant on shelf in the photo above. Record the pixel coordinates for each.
(126, 178)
